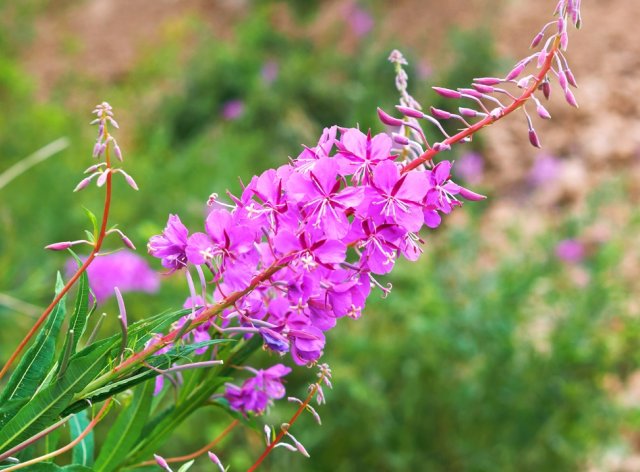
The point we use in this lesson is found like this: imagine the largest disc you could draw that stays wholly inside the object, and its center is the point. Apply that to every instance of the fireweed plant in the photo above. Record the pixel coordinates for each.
(276, 267)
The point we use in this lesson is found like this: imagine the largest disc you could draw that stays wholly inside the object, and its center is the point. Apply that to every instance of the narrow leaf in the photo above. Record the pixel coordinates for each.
(45, 407)
(186, 466)
(37, 361)
(94, 222)
(81, 312)
(83, 452)
(125, 432)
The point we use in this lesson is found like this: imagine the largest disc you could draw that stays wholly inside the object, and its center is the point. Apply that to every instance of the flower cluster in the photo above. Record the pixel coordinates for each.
(331, 220)
(259, 391)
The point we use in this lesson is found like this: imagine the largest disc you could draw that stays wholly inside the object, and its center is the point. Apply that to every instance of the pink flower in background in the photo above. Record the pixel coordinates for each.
(232, 110)
(470, 167)
(570, 250)
(545, 170)
(360, 20)
(123, 269)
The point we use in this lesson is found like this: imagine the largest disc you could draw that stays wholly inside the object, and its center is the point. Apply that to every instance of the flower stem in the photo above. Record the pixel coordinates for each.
(100, 239)
(69, 446)
(195, 454)
(283, 431)
(491, 118)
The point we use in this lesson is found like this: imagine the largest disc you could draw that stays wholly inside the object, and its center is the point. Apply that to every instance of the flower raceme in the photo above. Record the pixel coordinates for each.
(333, 220)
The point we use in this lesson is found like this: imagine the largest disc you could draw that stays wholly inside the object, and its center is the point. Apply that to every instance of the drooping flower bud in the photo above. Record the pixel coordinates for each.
(447, 93)
(571, 99)
(61, 246)
(483, 88)
(487, 80)
(536, 40)
(400, 139)
(546, 89)
(542, 111)
(410, 112)
(440, 114)
(516, 71)
(388, 119)
(533, 138)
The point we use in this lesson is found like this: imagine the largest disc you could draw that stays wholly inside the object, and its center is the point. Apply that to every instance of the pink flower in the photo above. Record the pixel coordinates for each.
(124, 269)
(232, 110)
(570, 250)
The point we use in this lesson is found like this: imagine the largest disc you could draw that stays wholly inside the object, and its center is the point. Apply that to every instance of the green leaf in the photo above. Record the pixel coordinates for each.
(83, 452)
(81, 313)
(186, 466)
(45, 407)
(163, 361)
(37, 361)
(9, 409)
(165, 423)
(125, 432)
(94, 222)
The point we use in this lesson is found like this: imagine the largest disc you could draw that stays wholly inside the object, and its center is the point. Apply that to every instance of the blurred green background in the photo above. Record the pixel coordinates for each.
(493, 352)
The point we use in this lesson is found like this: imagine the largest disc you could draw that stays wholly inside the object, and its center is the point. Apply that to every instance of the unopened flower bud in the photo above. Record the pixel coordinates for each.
(215, 460)
(84, 182)
(388, 119)
(103, 177)
(533, 138)
(162, 463)
(117, 151)
(447, 93)
(440, 114)
(400, 139)
(61, 246)
(570, 77)
(470, 195)
(523, 82)
(516, 71)
(441, 147)
(128, 179)
(564, 40)
(483, 88)
(542, 111)
(542, 56)
(562, 79)
(471, 92)
(487, 80)
(98, 149)
(127, 242)
(546, 89)
(571, 99)
(410, 112)
(536, 40)
(470, 112)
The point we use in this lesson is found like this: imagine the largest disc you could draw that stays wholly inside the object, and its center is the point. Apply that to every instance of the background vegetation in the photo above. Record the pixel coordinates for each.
(491, 352)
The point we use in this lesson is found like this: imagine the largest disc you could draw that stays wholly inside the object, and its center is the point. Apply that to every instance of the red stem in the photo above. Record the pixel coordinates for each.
(206, 314)
(199, 452)
(490, 119)
(292, 420)
(69, 446)
(76, 276)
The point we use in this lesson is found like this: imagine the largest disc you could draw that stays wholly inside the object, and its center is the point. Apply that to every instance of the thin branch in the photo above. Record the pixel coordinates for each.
(193, 455)
(69, 446)
(76, 276)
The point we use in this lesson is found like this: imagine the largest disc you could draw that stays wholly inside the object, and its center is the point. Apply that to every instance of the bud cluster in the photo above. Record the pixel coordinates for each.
(488, 95)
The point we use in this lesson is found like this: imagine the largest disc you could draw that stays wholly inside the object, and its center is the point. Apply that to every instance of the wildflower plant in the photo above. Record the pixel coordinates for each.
(274, 267)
